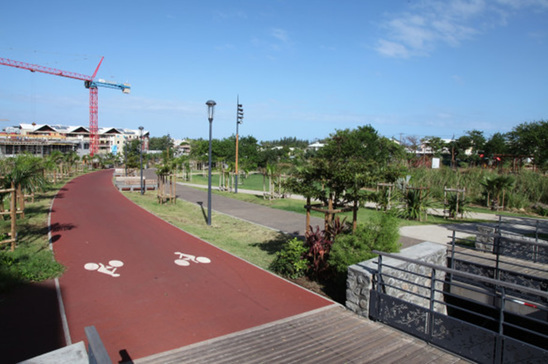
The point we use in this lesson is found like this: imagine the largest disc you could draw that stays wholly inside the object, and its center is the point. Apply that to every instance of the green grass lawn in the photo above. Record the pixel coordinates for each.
(32, 260)
(254, 243)
(252, 182)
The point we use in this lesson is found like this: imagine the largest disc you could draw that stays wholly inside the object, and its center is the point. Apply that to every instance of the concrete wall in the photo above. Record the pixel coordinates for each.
(360, 277)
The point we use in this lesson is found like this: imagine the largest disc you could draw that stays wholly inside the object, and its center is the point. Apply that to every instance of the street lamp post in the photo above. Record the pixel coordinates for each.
(141, 158)
(239, 120)
(210, 109)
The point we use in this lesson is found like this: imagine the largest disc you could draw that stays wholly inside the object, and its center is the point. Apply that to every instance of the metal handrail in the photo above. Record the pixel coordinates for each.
(412, 315)
(466, 275)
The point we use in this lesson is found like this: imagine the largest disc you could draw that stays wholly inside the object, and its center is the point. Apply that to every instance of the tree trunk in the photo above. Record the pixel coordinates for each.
(355, 216)
(307, 215)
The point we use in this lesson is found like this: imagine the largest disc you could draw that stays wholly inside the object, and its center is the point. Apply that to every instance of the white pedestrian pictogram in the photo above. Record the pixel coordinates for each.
(109, 269)
(185, 259)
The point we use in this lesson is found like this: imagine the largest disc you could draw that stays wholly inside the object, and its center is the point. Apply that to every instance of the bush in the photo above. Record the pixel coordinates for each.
(517, 201)
(291, 261)
(319, 245)
(416, 204)
(457, 206)
(381, 234)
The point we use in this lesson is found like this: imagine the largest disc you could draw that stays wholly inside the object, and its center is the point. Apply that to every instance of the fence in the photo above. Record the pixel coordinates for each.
(485, 332)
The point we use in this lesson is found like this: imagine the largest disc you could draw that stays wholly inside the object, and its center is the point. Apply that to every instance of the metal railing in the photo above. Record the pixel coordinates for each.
(503, 253)
(96, 350)
(425, 300)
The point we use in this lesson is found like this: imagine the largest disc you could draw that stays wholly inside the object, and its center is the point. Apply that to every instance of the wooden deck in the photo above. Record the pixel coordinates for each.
(328, 335)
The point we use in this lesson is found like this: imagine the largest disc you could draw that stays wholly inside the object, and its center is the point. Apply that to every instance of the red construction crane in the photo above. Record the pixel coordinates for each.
(89, 82)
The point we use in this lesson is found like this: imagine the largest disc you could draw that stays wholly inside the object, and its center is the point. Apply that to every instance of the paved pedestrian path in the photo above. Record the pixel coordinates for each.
(284, 221)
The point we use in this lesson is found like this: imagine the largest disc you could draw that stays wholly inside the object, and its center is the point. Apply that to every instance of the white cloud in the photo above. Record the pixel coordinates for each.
(516, 4)
(458, 79)
(280, 42)
(280, 34)
(431, 23)
(392, 49)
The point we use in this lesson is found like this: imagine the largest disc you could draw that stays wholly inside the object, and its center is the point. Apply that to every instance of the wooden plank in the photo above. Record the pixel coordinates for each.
(327, 335)
(273, 339)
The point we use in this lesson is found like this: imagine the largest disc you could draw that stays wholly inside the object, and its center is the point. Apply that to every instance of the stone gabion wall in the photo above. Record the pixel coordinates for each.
(360, 278)
(512, 245)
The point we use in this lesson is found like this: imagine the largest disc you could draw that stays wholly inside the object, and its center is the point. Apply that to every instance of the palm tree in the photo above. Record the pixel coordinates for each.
(55, 159)
(271, 172)
(503, 183)
(71, 159)
(24, 172)
(494, 186)
(416, 203)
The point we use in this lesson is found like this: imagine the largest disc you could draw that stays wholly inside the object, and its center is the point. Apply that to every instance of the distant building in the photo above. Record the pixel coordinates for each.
(315, 146)
(43, 139)
(182, 147)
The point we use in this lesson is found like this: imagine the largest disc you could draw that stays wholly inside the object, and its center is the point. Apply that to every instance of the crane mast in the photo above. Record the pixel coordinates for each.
(89, 82)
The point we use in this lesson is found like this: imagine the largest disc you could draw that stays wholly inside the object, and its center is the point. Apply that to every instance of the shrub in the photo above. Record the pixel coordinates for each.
(541, 209)
(416, 204)
(457, 206)
(384, 198)
(337, 227)
(319, 246)
(291, 261)
(380, 234)
(517, 201)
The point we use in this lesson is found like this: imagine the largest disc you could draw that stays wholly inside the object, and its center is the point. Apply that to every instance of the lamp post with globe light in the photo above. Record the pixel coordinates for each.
(210, 110)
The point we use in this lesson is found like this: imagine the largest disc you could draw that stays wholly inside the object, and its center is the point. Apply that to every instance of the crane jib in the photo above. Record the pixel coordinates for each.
(88, 83)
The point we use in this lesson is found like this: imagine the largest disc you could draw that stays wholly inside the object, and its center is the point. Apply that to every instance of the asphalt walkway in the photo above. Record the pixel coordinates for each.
(284, 221)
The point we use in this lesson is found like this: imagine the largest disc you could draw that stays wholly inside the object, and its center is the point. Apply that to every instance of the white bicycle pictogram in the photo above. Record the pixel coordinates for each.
(185, 259)
(109, 269)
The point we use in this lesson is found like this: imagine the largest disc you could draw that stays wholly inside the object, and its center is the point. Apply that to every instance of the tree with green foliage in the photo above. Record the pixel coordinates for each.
(160, 143)
(381, 234)
(476, 142)
(349, 161)
(290, 142)
(54, 163)
(132, 153)
(497, 144)
(199, 149)
(71, 159)
(24, 169)
(436, 145)
(496, 185)
(248, 153)
(530, 140)
(457, 149)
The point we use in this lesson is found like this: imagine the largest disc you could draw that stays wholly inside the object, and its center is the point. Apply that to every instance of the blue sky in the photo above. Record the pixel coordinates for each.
(301, 68)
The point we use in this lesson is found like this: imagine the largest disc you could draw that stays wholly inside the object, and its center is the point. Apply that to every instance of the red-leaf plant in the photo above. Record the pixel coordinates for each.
(319, 246)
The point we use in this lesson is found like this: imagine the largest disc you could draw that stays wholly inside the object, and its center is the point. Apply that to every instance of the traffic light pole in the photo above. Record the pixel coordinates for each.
(239, 120)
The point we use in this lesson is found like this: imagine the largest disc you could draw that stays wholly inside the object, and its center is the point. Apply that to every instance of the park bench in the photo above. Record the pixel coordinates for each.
(134, 183)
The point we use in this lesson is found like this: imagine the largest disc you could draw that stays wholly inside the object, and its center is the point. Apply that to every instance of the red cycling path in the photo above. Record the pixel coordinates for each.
(150, 304)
